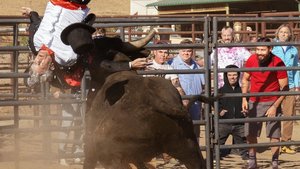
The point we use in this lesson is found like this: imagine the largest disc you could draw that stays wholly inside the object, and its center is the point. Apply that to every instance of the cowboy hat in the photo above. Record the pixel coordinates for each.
(79, 37)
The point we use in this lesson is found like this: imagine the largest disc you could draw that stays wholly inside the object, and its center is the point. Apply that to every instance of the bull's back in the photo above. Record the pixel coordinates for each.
(129, 105)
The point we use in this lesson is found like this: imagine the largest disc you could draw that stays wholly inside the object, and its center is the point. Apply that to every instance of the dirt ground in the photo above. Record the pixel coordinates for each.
(31, 146)
(286, 161)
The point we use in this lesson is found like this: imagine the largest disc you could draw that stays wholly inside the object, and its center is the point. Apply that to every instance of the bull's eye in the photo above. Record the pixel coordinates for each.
(115, 92)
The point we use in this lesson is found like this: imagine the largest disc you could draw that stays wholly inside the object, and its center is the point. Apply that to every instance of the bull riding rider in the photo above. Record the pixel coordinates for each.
(45, 43)
(44, 36)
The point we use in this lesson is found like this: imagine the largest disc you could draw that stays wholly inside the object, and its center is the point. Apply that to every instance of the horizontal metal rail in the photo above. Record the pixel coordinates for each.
(14, 48)
(254, 44)
(273, 144)
(176, 46)
(257, 19)
(41, 129)
(36, 95)
(202, 70)
(37, 102)
(258, 119)
(13, 75)
(42, 118)
(38, 156)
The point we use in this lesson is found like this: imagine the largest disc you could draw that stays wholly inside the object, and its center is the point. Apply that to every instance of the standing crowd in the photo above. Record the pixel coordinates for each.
(258, 82)
(247, 82)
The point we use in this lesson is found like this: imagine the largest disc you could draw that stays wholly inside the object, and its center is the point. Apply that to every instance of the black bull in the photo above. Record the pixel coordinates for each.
(130, 118)
(133, 119)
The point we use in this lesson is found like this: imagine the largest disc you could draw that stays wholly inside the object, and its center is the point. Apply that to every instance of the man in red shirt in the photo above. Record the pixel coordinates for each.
(263, 106)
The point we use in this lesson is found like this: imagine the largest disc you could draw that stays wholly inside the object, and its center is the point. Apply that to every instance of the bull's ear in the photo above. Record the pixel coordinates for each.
(120, 57)
(115, 92)
(140, 54)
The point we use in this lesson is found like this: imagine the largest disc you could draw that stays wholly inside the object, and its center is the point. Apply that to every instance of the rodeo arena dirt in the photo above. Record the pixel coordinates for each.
(37, 133)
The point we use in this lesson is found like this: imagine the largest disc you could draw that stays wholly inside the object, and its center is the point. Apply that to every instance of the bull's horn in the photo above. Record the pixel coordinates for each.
(137, 45)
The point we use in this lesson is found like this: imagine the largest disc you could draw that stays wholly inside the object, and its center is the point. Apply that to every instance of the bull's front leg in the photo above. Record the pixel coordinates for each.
(90, 153)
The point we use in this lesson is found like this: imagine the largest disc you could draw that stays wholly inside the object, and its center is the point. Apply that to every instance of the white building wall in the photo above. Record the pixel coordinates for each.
(139, 7)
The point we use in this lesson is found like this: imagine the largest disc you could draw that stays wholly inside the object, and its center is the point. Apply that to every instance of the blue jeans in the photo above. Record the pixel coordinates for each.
(195, 110)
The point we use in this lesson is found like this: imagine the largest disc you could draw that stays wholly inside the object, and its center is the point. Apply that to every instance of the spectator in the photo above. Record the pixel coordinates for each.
(70, 110)
(199, 60)
(263, 106)
(159, 63)
(253, 40)
(100, 32)
(192, 84)
(171, 55)
(229, 55)
(237, 26)
(231, 108)
(289, 55)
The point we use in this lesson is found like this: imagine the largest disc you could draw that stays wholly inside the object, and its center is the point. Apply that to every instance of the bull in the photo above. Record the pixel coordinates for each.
(130, 118)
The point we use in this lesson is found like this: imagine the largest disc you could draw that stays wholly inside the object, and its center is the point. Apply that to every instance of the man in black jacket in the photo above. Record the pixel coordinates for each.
(231, 108)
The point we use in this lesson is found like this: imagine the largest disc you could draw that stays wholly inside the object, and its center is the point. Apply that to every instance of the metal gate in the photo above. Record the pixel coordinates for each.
(16, 97)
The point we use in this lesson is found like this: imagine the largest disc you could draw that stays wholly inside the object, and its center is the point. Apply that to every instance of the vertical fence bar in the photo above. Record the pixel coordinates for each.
(193, 32)
(16, 97)
(216, 108)
(209, 162)
(129, 33)
(45, 112)
(122, 33)
(84, 89)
